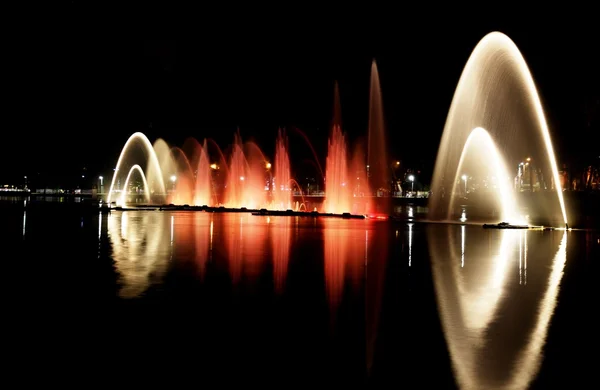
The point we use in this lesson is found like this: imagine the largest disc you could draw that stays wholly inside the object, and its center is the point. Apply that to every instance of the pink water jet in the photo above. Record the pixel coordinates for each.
(280, 184)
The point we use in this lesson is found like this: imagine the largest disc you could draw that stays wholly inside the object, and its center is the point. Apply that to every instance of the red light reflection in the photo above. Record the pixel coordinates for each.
(344, 249)
(246, 238)
(281, 235)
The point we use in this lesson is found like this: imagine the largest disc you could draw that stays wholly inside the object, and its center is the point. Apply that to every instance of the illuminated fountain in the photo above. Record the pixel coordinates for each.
(337, 186)
(140, 171)
(480, 290)
(246, 181)
(495, 92)
(155, 180)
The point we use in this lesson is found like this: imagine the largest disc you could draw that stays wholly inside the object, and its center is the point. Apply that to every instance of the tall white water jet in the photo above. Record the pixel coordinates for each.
(377, 160)
(134, 168)
(152, 160)
(496, 92)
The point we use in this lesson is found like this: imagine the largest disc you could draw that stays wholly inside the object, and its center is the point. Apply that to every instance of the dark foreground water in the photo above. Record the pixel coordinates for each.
(190, 298)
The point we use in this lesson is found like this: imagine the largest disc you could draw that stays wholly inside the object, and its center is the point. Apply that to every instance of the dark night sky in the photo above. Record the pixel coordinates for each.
(74, 102)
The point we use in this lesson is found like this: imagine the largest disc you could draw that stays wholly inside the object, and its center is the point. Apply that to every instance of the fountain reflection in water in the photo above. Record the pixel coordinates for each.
(376, 262)
(246, 240)
(140, 249)
(345, 246)
(281, 237)
(479, 300)
(495, 92)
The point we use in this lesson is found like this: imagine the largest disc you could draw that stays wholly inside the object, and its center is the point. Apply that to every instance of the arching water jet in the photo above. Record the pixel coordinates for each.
(487, 160)
(134, 168)
(152, 161)
(496, 91)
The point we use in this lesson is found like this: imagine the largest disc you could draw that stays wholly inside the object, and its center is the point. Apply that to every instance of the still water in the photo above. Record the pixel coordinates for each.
(194, 297)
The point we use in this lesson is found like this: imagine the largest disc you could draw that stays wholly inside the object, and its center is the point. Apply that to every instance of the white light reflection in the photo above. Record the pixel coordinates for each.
(525, 260)
(478, 308)
(520, 257)
(410, 212)
(24, 221)
(463, 216)
(410, 225)
(462, 246)
(99, 224)
(172, 230)
(139, 249)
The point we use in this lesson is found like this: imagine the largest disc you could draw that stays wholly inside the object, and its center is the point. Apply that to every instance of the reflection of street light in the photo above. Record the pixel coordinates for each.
(214, 166)
(268, 165)
(464, 177)
(411, 178)
(242, 178)
(397, 163)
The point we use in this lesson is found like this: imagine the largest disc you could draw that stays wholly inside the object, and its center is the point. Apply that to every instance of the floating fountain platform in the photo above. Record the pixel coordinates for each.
(222, 209)
(506, 225)
(292, 213)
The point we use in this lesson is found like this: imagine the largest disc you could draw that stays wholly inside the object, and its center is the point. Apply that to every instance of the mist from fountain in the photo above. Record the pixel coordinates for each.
(496, 92)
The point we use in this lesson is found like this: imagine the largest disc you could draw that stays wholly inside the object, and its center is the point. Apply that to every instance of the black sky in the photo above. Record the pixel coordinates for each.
(73, 102)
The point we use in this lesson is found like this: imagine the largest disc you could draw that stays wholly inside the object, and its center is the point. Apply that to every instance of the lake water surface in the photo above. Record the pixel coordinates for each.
(148, 297)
